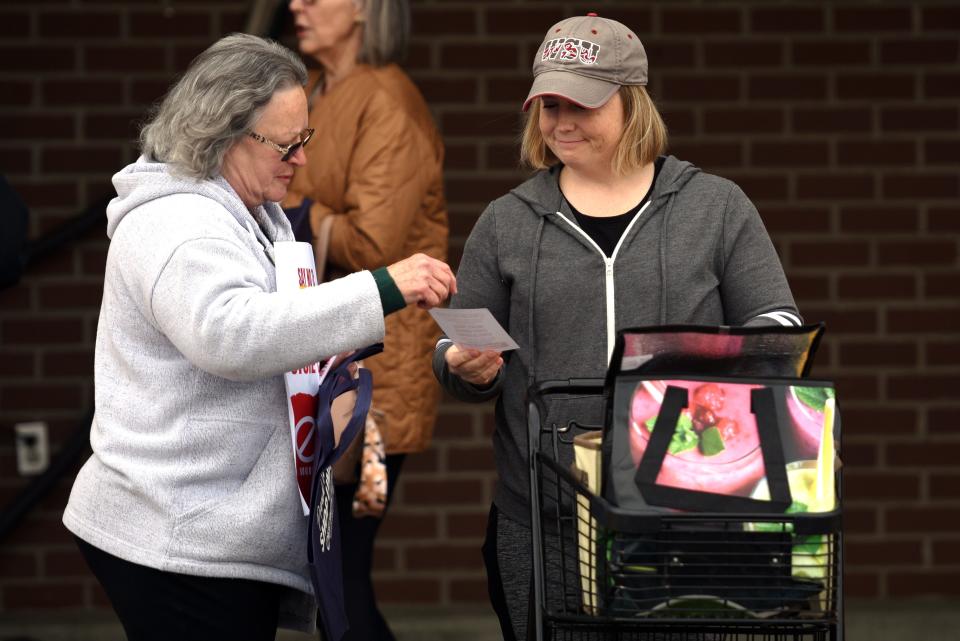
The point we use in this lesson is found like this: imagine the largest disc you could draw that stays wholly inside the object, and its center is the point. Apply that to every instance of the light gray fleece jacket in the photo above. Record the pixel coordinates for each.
(192, 468)
(697, 253)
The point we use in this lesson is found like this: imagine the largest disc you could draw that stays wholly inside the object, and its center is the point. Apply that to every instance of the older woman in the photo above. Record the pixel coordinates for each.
(609, 233)
(374, 194)
(188, 511)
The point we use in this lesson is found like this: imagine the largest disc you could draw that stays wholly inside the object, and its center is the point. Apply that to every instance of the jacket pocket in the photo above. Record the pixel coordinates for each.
(256, 522)
(219, 456)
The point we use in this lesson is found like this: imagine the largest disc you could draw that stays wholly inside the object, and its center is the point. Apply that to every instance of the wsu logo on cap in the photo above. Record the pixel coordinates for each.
(571, 50)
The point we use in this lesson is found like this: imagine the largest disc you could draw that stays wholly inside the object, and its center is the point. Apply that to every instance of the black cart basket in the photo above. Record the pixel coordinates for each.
(604, 571)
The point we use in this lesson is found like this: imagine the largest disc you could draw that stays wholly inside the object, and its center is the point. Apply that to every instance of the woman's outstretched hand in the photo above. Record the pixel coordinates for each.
(423, 280)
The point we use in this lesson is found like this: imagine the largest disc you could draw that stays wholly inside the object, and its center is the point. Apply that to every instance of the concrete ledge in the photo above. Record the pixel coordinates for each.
(933, 620)
(865, 621)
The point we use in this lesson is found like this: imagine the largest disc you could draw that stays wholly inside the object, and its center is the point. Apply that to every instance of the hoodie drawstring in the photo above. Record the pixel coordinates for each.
(663, 259)
(534, 260)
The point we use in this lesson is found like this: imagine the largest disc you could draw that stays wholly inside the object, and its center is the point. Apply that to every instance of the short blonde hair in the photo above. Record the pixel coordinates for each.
(644, 134)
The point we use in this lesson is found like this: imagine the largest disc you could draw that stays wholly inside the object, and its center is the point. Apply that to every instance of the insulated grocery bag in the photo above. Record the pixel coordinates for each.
(720, 421)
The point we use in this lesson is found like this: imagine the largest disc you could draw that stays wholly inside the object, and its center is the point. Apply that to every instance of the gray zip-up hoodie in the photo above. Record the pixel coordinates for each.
(192, 468)
(697, 253)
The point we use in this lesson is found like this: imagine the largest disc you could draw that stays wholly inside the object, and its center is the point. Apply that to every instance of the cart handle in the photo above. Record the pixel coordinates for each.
(537, 391)
(571, 385)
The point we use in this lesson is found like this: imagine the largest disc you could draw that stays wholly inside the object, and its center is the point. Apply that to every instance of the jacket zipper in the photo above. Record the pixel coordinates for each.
(608, 275)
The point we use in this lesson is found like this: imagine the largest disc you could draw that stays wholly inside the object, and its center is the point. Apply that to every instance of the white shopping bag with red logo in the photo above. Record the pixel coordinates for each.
(296, 270)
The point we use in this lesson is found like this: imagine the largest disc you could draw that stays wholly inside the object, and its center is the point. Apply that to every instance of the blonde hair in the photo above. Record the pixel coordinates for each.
(644, 134)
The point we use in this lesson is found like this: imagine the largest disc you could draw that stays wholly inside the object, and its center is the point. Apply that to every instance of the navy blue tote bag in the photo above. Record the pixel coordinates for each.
(323, 534)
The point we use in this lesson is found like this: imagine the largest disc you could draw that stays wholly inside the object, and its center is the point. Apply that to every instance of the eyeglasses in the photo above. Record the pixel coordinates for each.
(287, 150)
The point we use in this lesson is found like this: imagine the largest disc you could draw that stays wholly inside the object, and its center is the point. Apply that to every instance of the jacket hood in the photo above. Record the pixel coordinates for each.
(145, 181)
(542, 191)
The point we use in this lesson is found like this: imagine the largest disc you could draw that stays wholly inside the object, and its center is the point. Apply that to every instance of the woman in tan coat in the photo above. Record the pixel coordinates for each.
(375, 182)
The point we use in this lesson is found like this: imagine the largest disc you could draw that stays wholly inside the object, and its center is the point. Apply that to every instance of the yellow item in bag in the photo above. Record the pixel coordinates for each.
(586, 458)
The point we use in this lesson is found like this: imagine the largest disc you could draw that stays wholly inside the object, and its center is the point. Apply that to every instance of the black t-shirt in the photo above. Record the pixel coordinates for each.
(606, 231)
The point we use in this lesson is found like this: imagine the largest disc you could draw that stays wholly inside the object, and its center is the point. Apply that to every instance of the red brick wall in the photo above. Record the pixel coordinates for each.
(840, 120)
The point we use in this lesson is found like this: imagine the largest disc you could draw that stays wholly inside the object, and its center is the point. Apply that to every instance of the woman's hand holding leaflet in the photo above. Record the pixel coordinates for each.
(474, 366)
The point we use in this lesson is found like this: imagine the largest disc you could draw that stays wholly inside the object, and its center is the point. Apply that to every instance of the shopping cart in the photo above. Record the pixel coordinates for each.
(604, 573)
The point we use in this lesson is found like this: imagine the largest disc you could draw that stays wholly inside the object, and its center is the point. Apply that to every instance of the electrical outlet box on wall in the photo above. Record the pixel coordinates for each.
(33, 447)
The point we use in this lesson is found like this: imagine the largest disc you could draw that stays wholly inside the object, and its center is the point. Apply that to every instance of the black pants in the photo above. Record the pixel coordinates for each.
(507, 552)
(158, 606)
(508, 556)
(498, 600)
(357, 537)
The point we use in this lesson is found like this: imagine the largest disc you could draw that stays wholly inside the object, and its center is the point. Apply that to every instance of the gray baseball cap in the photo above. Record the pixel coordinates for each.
(586, 59)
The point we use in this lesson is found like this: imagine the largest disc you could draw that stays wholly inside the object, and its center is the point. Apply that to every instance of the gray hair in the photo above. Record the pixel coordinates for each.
(386, 31)
(216, 101)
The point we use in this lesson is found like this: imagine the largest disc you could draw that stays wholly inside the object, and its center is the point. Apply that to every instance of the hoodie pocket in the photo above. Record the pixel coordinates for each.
(219, 456)
(258, 522)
